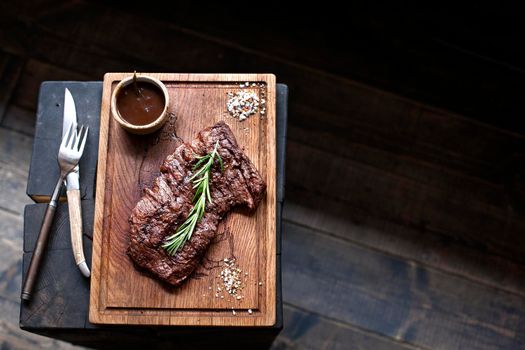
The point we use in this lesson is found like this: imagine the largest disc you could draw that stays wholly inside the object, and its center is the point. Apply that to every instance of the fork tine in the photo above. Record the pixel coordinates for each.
(73, 136)
(84, 138)
(77, 141)
(66, 136)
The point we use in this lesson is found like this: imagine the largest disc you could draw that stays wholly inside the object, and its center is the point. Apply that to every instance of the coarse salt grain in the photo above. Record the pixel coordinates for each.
(231, 277)
(243, 104)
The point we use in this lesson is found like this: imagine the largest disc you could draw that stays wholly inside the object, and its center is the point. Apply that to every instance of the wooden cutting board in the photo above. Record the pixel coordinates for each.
(121, 294)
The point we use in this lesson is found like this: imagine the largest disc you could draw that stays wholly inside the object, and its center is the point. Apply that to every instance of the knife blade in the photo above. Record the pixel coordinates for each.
(70, 117)
(73, 191)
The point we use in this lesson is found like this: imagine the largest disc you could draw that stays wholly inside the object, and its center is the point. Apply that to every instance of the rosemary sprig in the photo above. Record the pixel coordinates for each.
(201, 184)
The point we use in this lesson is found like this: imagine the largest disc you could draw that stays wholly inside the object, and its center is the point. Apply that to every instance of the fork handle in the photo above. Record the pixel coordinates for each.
(41, 242)
(38, 252)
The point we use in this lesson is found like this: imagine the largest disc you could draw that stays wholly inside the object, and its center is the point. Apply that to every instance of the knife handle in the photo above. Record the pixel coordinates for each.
(75, 219)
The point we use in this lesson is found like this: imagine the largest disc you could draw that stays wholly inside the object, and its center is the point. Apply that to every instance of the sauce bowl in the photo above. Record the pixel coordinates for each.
(140, 129)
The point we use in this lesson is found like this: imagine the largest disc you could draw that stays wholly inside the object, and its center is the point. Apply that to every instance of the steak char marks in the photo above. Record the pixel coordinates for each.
(168, 202)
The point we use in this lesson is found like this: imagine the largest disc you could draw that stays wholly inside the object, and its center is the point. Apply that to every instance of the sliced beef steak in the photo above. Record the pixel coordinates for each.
(167, 203)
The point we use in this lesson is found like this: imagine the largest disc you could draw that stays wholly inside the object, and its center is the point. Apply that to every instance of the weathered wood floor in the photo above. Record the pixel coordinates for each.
(404, 225)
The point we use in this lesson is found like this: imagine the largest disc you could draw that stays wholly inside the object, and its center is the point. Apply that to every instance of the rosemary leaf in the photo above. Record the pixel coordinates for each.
(201, 184)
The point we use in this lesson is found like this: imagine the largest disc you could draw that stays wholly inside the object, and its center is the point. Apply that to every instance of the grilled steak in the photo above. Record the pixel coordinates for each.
(168, 202)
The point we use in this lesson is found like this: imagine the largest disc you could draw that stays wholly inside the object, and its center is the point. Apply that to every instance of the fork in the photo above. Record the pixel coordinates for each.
(69, 155)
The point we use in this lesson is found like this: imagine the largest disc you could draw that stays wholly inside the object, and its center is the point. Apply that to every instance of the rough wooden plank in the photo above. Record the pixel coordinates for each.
(44, 170)
(50, 308)
(20, 120)
(281, 110)
(158, 29)
(67, 309)
(10, 276)
(11, 227)
(10, 264)
(412, 243)
(355, 96)
(16, 149)
(31, 10)
(421, 63)
(10, 68)
(106, 51)
(92, 60)
(12, 337)
(143, 27)
(60, 239)
(15, 152)
(392, 124)
(187, 43)
(407, 202)
(35, 72)
(288, 44)
(150, 28)
(459, 148)
(307, 330)
(11, 242)
(397, 298)
(12, 187)
(163, 339)
(395, 163)
(394, 118)
(487, 184)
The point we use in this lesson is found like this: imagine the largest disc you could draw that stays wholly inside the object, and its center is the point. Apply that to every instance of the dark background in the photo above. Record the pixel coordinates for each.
(404, 220)
(468, 59)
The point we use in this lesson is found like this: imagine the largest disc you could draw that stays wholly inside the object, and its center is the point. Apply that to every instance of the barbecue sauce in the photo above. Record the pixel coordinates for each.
(141, 103)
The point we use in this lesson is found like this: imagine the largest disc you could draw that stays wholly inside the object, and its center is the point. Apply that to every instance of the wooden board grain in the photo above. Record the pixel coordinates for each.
(120, 294)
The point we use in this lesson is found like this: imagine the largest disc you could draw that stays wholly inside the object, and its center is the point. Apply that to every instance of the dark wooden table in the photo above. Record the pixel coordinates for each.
(60, 305)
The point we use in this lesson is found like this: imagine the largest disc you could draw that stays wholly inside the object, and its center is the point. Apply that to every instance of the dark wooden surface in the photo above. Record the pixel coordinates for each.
(48, 124)
(426, 231)
(462, 59)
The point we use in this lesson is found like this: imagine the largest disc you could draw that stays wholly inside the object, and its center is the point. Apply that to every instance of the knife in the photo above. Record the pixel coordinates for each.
(73, 191)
